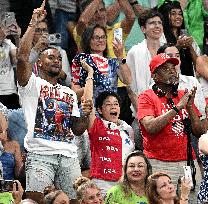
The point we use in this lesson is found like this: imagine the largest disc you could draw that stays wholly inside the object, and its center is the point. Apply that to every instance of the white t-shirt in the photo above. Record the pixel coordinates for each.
(47, 109)
(7, 80)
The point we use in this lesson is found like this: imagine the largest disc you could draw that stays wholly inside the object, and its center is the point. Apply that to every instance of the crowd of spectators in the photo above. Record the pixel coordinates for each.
(87, 117)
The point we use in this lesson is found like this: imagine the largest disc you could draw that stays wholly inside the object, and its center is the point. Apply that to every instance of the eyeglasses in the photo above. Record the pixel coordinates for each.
(96, 37)
(41, 30)
(155, 23)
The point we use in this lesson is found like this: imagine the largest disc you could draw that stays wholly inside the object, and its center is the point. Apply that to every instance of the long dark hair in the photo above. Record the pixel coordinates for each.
(185, 54)
(124, 182)
(87, 36)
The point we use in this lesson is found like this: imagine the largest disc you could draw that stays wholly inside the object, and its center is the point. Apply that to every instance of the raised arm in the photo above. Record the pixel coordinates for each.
(128, 21)
(138, 9)
(24, 67)
(87, 15)
(124, 72)
(113, 11)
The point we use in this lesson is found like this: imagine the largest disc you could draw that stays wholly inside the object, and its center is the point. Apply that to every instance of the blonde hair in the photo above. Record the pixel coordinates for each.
(81, 184)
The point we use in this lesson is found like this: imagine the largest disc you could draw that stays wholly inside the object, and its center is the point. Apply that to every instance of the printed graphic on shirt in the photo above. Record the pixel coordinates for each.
(5, 63)
(53, 117)
(177, 121)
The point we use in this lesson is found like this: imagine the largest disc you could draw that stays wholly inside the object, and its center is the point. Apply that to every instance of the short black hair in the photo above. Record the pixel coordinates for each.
(147, 14)
(87, 36)
(166, 45)
(102, 96)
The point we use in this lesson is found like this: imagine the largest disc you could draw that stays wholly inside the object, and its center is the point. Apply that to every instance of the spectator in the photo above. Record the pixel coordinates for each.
(194, 13)
(163, 112)
(115, 15)
(52, 117)
(203, 193)
(8, 88)
(138, 59)
(107, 133)
(10, 157)
(175, 32)
(95, 13)
(56, 196)
(131, 188)
(185, 82)
(106, 70)
(160, 189)
(41, 42)
(87, 191)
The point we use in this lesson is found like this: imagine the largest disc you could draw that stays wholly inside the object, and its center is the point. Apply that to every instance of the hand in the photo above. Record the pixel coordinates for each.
(183, 101)
(39, 14)
(185, 41)
(17, 192)
(118, 48)
(87, 67)
(192, 94)
(42, 43)
(185, 188)
(86, 105)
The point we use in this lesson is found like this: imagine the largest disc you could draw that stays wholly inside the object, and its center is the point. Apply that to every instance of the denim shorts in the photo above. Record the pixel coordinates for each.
(47, 170)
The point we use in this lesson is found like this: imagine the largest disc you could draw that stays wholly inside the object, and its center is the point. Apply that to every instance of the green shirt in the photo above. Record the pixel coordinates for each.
(115, 194)
(6, 198)
(135, 36)
(194, 14)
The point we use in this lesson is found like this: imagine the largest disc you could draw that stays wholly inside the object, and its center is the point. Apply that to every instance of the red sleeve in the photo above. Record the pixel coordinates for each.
(75, 71)
(146, 105)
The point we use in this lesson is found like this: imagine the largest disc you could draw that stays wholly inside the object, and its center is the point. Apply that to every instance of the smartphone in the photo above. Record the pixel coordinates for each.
(8, 18)
(6, 185)
(118, 34)
(54, 38)
(188, 174)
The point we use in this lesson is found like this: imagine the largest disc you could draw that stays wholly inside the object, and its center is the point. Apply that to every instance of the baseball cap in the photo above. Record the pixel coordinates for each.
(161, 59)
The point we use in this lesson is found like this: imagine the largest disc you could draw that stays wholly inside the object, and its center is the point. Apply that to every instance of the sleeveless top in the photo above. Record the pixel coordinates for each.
(8, 162)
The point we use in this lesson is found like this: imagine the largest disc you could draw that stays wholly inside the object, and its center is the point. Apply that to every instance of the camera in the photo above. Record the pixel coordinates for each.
(6, 185)
(54, 38)
(7, 19)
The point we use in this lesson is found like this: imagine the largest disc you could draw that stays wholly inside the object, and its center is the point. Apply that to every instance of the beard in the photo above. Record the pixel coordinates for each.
(53, 73)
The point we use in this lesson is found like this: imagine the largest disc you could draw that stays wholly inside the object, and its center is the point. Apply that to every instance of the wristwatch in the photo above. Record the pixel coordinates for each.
(122, 61)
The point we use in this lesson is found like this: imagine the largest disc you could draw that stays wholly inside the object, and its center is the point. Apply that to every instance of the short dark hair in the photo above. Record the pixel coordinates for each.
(166, 45)
(147, 14)
(102, 96)
(87, 36)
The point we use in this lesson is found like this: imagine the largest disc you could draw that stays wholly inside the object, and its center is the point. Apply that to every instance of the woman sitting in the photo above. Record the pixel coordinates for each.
(10, 157)
(161, 190)
(111, 139)
(106, 70)
(131, 188)
(87, 191)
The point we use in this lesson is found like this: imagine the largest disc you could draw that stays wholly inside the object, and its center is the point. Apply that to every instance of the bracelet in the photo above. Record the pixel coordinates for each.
(89, 78)
(175, 109)
(134, 3)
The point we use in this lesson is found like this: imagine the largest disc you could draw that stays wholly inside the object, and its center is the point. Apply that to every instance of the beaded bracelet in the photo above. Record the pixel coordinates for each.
(89, 78)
